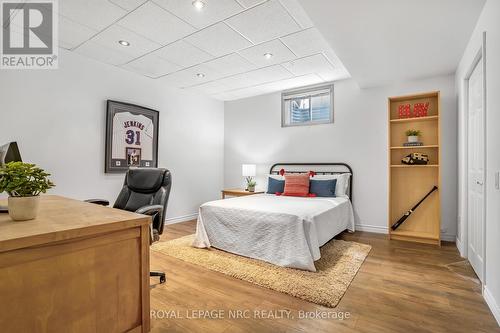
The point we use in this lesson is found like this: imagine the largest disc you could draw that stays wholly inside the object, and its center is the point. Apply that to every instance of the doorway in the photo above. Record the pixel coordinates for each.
(476, 161)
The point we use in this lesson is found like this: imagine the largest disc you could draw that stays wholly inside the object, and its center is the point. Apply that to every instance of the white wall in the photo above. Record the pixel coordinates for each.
(253, 134)
(58, 119)
(489, 21)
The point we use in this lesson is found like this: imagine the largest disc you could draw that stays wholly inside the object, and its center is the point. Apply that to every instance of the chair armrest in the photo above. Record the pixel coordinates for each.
(150, 210)
(101, 202)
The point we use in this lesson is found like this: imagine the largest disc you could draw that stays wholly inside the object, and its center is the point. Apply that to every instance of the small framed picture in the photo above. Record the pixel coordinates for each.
(131, 137)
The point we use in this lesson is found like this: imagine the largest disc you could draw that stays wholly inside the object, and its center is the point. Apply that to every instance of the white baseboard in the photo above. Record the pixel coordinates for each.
(460, 248)
(448, 238)
(372, 228)
(385, 230)
(492, 303)
(179, 219)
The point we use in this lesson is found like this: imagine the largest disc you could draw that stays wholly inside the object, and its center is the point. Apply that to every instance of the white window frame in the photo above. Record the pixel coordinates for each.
(302, 92)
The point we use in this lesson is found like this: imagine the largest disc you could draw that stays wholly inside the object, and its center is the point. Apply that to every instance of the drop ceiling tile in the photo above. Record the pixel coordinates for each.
(155, 23)
(224, 96)
(128, 4)
(104, 54)
(237, 81)
(295, 82)
(95, 14)
(313, 64)
(230, 65)
(152, 66)
(183, 54)
(264, 22)
(218, 40)
(246, 92)
(332, 57)
(138, 44)
(72, 34)
(298, 13)
(256, 77)
(210, 88)
(188, 77)
(174, 79)
(268, 74)
(339, 73)
(250, 3)
(306, 42)
(280, 52)
(213, 11)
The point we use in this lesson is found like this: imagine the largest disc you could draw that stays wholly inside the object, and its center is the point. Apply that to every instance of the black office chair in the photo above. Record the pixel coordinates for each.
(145, 191)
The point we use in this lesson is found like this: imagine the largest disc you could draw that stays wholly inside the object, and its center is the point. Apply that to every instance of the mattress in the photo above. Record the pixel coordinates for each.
(282, 230)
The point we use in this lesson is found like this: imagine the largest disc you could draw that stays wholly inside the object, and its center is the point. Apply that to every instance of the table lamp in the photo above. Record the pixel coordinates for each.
(248, 171)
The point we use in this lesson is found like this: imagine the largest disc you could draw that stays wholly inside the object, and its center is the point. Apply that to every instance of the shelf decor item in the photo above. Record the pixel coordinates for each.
(24, 183)
(413, 144)
(404, 111)
(415, 159)
(409, 212)
(414, 156)
(420, 109)
(413, 135)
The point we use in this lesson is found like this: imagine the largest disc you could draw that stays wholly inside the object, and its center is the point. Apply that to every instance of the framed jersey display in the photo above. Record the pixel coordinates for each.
(131, 137)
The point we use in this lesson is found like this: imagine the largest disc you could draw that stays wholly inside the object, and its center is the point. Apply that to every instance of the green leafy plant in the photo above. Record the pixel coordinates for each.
(412, 132)
(20, 179)
(251, 183)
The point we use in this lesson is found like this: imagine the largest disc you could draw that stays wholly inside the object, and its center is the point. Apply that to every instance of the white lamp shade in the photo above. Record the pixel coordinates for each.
(248, 170)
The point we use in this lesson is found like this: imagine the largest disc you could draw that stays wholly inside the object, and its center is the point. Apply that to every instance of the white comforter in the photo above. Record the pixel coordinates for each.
(285, 231)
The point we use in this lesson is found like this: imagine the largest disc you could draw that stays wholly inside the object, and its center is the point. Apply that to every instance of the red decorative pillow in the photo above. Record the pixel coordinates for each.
(297, 185)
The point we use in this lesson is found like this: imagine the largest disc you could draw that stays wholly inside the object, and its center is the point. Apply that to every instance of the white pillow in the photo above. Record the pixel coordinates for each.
(342, 183)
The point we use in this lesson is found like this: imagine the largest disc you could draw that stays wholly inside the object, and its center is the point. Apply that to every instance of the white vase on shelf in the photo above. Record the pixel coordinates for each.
(413, 138)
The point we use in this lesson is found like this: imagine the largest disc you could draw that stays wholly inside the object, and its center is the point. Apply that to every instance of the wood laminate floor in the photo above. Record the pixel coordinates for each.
(401, 287)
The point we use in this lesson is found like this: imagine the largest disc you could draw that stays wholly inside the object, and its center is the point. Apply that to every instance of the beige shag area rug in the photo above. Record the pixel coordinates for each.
(339, 263)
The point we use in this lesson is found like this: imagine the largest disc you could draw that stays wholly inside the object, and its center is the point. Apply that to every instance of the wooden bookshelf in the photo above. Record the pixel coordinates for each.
(409, 183)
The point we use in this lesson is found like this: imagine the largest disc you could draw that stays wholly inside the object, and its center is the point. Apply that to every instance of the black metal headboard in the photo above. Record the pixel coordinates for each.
(318, 168)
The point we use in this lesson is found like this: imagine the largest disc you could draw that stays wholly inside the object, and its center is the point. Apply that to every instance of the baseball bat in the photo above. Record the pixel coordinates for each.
(409, 212)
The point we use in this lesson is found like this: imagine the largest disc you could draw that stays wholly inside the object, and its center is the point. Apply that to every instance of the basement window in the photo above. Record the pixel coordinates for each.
(307, 106)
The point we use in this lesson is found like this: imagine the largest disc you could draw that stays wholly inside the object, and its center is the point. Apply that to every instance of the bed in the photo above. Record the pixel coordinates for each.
(282, 230)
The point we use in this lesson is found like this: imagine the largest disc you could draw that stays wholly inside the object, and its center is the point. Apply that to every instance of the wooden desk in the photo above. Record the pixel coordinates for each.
(78, 267)
(238, 192)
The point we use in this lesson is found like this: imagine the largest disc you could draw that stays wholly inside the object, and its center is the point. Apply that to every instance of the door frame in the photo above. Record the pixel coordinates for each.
(480, 55)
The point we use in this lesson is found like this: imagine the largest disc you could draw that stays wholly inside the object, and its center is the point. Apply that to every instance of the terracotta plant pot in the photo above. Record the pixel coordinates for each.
(23, 208)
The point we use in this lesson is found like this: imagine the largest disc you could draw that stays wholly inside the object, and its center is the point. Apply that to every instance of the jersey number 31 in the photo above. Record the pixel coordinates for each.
(133, 137)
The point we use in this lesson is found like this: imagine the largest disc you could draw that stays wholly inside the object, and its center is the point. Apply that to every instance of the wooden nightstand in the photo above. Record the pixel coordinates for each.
(238, 192)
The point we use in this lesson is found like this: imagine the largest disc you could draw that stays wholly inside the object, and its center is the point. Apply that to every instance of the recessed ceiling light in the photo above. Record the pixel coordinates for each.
(200, 75)
(123, 43)
(268, 55)
(198, 4)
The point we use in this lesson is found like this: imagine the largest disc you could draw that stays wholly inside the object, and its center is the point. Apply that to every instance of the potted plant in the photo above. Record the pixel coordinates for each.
(23, 182)
(251, 185)
(413, 135)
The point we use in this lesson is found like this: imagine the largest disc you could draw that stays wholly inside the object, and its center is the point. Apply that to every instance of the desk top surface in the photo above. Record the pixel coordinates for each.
(61, 218)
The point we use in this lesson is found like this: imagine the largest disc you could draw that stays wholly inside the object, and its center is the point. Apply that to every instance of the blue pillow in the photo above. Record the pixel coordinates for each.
(323, 187)
(275, 185)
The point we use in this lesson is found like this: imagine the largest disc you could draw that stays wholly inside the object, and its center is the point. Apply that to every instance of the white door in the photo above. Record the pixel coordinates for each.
(476, 188)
